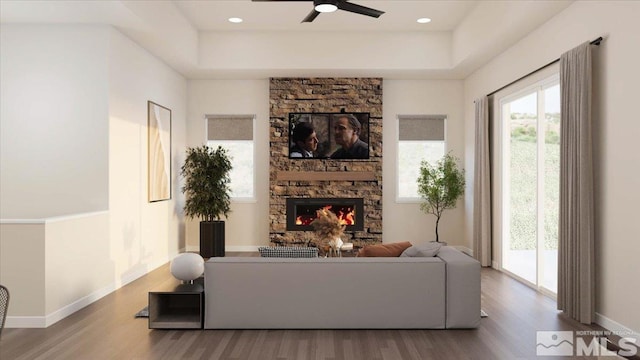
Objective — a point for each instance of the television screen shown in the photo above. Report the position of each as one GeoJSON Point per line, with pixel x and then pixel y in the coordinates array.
{"type": "Point", "coordinates": [328, 135]}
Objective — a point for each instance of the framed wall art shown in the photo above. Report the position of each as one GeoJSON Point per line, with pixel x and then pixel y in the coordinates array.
{"type": "Point", "coordinates": [159, 152]}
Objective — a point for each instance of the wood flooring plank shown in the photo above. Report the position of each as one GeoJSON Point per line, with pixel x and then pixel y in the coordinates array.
{"type": "Point", "coordinates": [347, 350]}
{"type": "Point", "coordinates": [302, 350]}
{"type": "Point", "coordinates": [287, 349]}
{"type": "Point", "coordinates": [221, 346]}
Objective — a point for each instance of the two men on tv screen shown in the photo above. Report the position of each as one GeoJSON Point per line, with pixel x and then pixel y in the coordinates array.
{"type": "Point", "coordinates": [346, 129]}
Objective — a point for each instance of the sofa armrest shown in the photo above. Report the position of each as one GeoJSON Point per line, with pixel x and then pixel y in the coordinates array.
{"type": "Point", "coordinates": [463, 288]}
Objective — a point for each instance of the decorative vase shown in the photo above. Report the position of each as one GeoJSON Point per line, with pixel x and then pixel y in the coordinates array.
{"type": "Point", "coordinates": [336, 243]}
{"type": "Point", "coordinates": [187, 266]}
{"type": "Point", "coordinates": [334, 247]}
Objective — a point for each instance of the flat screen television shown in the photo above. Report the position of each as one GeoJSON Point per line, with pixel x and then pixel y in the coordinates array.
{"type": "Point", "coordinates": [329, 136]}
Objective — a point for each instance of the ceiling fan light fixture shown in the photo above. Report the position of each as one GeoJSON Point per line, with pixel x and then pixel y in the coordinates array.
{"type": "Point", "coordinates": [325, 5]}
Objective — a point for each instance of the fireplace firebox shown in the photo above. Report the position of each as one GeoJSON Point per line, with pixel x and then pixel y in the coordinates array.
{"type": "Point", "coordinates": [302, 211]}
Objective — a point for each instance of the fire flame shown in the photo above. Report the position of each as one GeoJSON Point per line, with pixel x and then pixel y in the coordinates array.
{"type": "Point", "coordinates": [345, 217]}
{"type": "Point", "coordinates": [348, 218]}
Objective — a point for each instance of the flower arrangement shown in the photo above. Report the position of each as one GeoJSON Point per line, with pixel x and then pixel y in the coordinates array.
{"type": "Point", "coordinates": [328, 227]}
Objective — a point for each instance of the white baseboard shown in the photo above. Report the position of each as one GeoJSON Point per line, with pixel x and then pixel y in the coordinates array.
{"type": "Point", "coordinates": [62, 313]}
{"type": "Point", "coordinates": [135, 275]}
{"type": "Point", "coordinates": [54, 317]}
{"type": "Point", "coordinates": [617, 328]}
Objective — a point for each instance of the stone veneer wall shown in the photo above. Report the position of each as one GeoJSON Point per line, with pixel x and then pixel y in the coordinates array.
{"type": "Point", "coordinates": [324, 95]}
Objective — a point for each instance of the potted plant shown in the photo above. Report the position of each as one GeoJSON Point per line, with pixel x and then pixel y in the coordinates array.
{"type": "Point", "coordinates": [206, 174]}
{"type": "Point", "coordinates": [440, 186]}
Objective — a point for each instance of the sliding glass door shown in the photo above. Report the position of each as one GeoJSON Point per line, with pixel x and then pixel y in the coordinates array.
{"type": "Point", "coordinates": [530, 183]}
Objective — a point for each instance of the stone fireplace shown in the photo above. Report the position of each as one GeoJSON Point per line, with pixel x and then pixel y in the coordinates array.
{"type": "Point", "coordinates": [315, 181]}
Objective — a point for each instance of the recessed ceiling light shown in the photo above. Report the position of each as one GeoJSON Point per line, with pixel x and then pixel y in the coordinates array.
{"type": "Point", "coordinates": [424, 20]}
{"type": "Point", "coordinates": [235, 20]}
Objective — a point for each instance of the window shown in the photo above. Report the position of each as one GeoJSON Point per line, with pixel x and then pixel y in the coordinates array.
{"type": "Point", "coordinates": [235, 134]}
{"type": "Point", "coordinates": [530, 142]}
{"type": "Point", "coordinates": [420, 137]}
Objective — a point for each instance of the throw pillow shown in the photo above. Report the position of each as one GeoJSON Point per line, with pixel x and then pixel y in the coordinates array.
{"type": "Point", "coordinates": [422, 250]}
{"type": "Point", "coordinates": [384, 250]}
{"type": "Point", "coordinates": [288, 252]}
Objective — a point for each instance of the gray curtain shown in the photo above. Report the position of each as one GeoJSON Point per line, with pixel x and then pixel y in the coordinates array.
{"type": "Point", "coordinates": [482, 186]}
{"type": "Point", "coordinates": [576, 259]}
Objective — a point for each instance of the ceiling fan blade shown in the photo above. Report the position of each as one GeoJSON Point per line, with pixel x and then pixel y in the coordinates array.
{"type": "Point", "coordinates": [359, 9]}
{"type": "Point", "coordinates": [312, 16]}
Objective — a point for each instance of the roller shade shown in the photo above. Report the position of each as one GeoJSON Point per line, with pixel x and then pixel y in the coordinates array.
{"type": "Point", "coordinates": [421, 127]}
{"type": "Point", "coordinates": [229, 127]}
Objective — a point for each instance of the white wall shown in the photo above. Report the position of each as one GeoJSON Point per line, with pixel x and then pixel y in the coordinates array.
{"type": "Point", "coordinates": [53, 100]}
{"type": "Point", "coordinates": [77, 264]}
{"type": "Point", "coordinates": [143, 235]}
{"type": "Point", "coordinates": [493, 26]}
{"type": "Point", "coordinates": [86, 256]}
{"type": "Point", "coordinates": [318, 51]}
{"type": "Point", "coordinates": [248, 224]}
{"type": "Point", "coordinates": [405, 221]}
{"type": "Point", "coordinates": [616, 128]}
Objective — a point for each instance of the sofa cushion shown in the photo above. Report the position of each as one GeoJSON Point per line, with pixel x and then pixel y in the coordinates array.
{"type": "Point", "coordinates": [288, 252]}
{"type": "Point", "coordinates": [422, 250]}
{"type": "Point", "coordinates": [384, 250]}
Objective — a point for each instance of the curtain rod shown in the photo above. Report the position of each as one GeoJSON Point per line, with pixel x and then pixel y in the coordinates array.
{"type": "Point", "coordinates": [594, 42]}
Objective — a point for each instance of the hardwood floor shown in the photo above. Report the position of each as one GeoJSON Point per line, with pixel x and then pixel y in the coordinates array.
{"type": "Point", "coordinates": [107, 329]}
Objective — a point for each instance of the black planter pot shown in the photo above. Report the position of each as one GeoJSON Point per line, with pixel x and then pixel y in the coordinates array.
{"type": "Point", "coordinates": [212, 239]}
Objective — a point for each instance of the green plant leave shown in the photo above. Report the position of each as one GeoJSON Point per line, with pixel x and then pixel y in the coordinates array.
{"type": "Point", "coordinates": [440, 186]}
{"type": "Point", "coordinates": [206, 174]}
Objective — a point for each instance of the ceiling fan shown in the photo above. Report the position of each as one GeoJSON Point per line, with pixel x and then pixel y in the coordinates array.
{"type": "Point", "coordinates": [333, 5]}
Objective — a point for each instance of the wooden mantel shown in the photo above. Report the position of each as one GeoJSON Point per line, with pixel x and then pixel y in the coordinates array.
{"type": "Point", "coordinates": [325, 176]}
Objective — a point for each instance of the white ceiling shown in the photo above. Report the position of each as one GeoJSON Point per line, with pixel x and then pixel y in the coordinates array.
{"type": "Point", "coordinates": [192, 36]}
{"type": "Point", "coordinates": [400, 15]}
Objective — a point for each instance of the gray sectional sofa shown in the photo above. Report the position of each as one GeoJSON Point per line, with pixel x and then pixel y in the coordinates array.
{"type": "Point", "coordinates": [343, 293]}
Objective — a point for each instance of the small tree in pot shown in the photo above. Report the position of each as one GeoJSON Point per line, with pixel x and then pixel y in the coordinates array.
{"type": "Point", "coordinates": [206, 174]}
{"type": "Point", "coordinates": [440, 186]}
